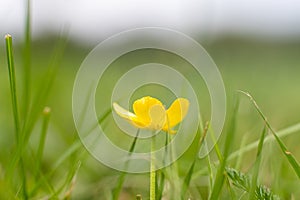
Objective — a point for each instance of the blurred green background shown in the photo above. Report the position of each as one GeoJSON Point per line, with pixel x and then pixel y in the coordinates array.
{"type": "Point", "coordinates": [266, 67]}
{"type": "Point", "coordinates": [268, 70]}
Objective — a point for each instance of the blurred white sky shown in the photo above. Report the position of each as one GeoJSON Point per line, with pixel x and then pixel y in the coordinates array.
{"type": "Point", "coordinates": [93, 20]}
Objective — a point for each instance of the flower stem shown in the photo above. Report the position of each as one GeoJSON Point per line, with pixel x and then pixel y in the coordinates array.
{"type": "Point", "coordinates": [152, 172]}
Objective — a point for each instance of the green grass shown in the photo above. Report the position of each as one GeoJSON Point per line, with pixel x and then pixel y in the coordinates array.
{"type": "Point", "coordinates": [256, 157]}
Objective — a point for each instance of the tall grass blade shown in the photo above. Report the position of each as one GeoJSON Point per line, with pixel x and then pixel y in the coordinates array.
{"type": "Point", "coordinates": [12, 81]}
{"type": "Point", "coordinates": [241, 153]}
{"type": "Point", "coordinates": [27, 60]}
{"type": "Point", "coordinates": [288, 155]}
{"type": "Point", "coordinates": [160, 183]}
{"type": "Point", "coordinates": [210, 171]}
{"type": "Point", "coordinates": [13, 90]}
{"type": "Point", "coordinates": [44, 91]}
{"type": "Point", "coordinates": [24, 180]}
{"type": "Point", "coordinates": [38, 105]}
{"type": "Point", "coordinates": [257, 164]}
{"type": "Point", "coordinates": [116, 191]}
{"type": "Point", "coordinates": [46, 115]}
{"type": "Point", "coordinates": [216, 147]}
{"type": "Point", "coordinates": [70, 151]}
{"type": "Point", "coordinates": [220, 176]}
{"type": "Point", "coordinates": [281, 133]}
{"type": "Point", "coordinates": [188, 177]}
{"type": "Point", "coordinates": [187, 180]}
{"type": "Point", "coordinates": [293, 162]}
{"type": "Point", "coordinates": [69, 181]}
{"type": "Point", "coordinates": [249, 147]}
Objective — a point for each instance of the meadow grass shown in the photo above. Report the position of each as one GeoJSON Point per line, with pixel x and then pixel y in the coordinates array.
{"type": "Point", "coordinates": [46, 160]}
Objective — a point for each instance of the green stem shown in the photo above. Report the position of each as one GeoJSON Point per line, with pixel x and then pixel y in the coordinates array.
{"type": "Point", "coordinates": [152, 171]}
{"type": "Point", "coordinates": [161, 186]}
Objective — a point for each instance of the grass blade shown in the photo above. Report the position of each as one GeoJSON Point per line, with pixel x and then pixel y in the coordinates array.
{"type": "Point", "coordinates": [70, 151]}
{"type": "Point", "coordinates": [13, 90]}
{"type": "Point", "coordinates": [44, 91]}
{"type": "Point", "coordinates": [46, 114]}
{"type": "Point", "coordinates": [288, 155]}
{"type": "Point", "coordinates": [161, 185]}
{"type": "Point", "coordinates": [116, 191]}
{"type": "Point", "coordinates": [293, 162]}
{"type": "Point", "coordinates": [27, 60]}
{"type": "Point", "coordinates": [12, 81]}
{"type": "Point", "coordinates": [240, 153]}
{"type": "Point", "coordinates": [216, 147]}
{"type": "Point", "coordinates": [71, 180]}
{"type": "Point", "coordinates": [38, 105]}
{"type": "Point", "coordinates": [257, 164]}
{"type": "Point", "coordinates": [187, 179]}
{"type": "Point", "coordinates": [219, 180]}
{"type": "Point", "coordinates": [210, 172]}
{"type": "Point", "coordinates": [282, 133]}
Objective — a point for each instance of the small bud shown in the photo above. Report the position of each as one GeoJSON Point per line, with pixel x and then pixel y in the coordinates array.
{"type": "Point", "coordinates": [46, 110]}
{"type": "Point", "coordinates": [288, 153]}
{"type": "Point", "coordinates": [138, 197]}
{"type": "Point", "coordinates": [7, 36]}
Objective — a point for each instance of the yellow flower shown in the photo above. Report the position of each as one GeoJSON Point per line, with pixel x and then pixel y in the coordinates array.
{"type": "Point", "coordinates": [149, 113]}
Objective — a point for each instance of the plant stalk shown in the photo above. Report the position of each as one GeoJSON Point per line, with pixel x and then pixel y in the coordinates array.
{"type": "Point", "coordinates": [152, 171]}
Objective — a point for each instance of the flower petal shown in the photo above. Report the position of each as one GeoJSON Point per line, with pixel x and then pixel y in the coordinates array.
{"type": "Point", "coordinates": [122, 112]}
{"type": "Point", "coordinates": [141, 108]}
{"type": "Point", "coordinates": [176, 112]}
{"type": "Point", "coordinates": [158, 117]}
{"type": "Point", "coordinates": [128, 115]}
